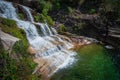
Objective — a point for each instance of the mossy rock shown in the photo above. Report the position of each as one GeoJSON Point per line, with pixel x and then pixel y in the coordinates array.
{"type": "Point", "coordinates": [9, 26]}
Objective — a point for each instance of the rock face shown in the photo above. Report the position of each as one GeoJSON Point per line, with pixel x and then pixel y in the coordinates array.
{"type": "Point", "coordinates": [8, 41]}
{"type": "Point", "coordinates": [104, 28]}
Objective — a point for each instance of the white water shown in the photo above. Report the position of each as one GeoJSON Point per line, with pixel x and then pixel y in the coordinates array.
{"type": "Point", "coordinates": [49, 46]}
{"type": "Point", "coordinates": [28, 13]}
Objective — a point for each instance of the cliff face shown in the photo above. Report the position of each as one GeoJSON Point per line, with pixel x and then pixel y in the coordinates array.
{"type": "Point", "coordinates": [102, 27]}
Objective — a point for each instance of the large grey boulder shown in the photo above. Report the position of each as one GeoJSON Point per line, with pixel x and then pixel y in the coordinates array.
{"type": "Point", "coordinates": [7, 41]}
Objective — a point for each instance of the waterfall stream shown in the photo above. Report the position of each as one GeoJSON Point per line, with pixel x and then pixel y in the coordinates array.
{"type": "Point", "coordinates": [49, 46]}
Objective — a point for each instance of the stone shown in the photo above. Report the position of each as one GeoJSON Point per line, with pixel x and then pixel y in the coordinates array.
{"type": "Point", "coordinates": [8, 41]}
{"type": "Point", "coordinates": [31, 50]}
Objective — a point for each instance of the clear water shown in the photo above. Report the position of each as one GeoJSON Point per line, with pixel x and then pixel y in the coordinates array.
{"type": "Point", "coordinates": [93, 64]}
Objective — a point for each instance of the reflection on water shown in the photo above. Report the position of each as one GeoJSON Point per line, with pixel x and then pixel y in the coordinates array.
{"type": "Point", "coordinates": [93, 64]}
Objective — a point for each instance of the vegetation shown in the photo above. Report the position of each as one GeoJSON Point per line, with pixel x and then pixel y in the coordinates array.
{"type": "Point", "coordinates": [17, 68]}
{"type": "Point", "coordinates": [9, 26]}
{"type": "Point", "coordinates": [20, 66]}
{"type": "Point", "coordinates": [21, 16]}
{"type": "Point", "coordinates": [62, 28]}
{"type": "Point", "coordinates": [44, 18]}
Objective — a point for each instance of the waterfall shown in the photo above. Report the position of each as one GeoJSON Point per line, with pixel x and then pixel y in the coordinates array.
{"type": "Point", "coordinates": [45, 29]}
{"type": "Point", "coordinates": [54, 31]}
{"type": "Point", "coordinates": [6, 11]}
{"type": "Point", "coordinates": [28, 13]}
{"type": "Point", "coordinates": [50, 46]}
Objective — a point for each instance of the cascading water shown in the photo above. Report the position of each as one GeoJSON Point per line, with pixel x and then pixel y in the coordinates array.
{"type": "Point", "coordinates": [28, 13]}
{"type": "Point", "coordinates": [49, 46]}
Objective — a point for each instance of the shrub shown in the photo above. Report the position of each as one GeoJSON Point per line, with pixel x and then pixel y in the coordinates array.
{"type": "Point", "coordinates": [47, 7]}
{"type": "Point", "coordinates": [37, 18]}
{"type": "Point", "coordinates": [44, 6]}
{"type": "Point", "coordinates": [62, 28]}
{"type": "Point", "coordinates": [70, 10]}
{"type": "Point", "coordinates": [92, 11]}
{"type": "Point", "coordinates": [9, 68]}
{"type": "Point", "coordinates": [47, 18]}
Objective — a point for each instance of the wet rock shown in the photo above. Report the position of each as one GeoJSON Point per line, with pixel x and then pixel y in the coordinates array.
{"type": "Point", "coordinates": [31, 50]}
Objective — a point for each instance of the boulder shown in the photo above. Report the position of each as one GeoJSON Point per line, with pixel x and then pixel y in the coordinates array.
{"type": "Point", "coordinates": [7, 41]}
{"type": "Point", "coordinates": [31, 50]}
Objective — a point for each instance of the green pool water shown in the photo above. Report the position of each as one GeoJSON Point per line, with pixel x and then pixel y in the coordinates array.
{"type": "Point", "coordinates": [93, 64]}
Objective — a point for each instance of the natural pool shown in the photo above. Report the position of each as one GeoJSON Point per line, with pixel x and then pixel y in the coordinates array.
{"type": "Point", "coordinates": [93, 64]}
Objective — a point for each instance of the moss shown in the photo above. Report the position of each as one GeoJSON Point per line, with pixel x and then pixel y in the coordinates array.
{"type": "Point", "coordinates": [9, 26]}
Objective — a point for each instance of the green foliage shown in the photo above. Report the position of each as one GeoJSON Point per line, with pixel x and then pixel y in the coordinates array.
{"type": "Point", "coordinates": [9, 26]}
{"type": "Point", "coordinates": [70, 10]}
{"type": "Point", "coordinates": [44, 6]}
{"type": "Point", "coordinates": [57, 6]}
{"type": "Point", "coordinates": [92, 11]}
{"type": "Point", "coordinates": [22, 66]}
{"type": "Point", "coordinates": [21, 16]}
{"type": "Point", "coordinates": [47, 18]}
{"type": "Point", "coordinates": [8, 69]}
{"type": "Point", "coordinates": [62, 28]}
{"type": "Point", "coordinates": [36, 17]}
{"type": "Point", "coordinates": [47, 7]}
{"type": "Point", "coordinates": [19, 69]}
{"type": "Point", "coordinates": [8, 22]}
{"type": "Point", "coordinates": [42, 18]}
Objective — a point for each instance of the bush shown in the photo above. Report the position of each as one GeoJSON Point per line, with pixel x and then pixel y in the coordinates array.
{"type": "Point", "coordinates": [36, 18]}
{"type": "Point", "coordinates": [70, 10]}
{"type": "Point", "coordinates": [92, 11]}
{"type": "Point", "coordinates": [47, 18]}
{"type": "Point", "coordinates": [9, 68]}
{"type": "Point", "coordinates": [44, 6]}
{"type": "Point", "coordinates": [62, 28]}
